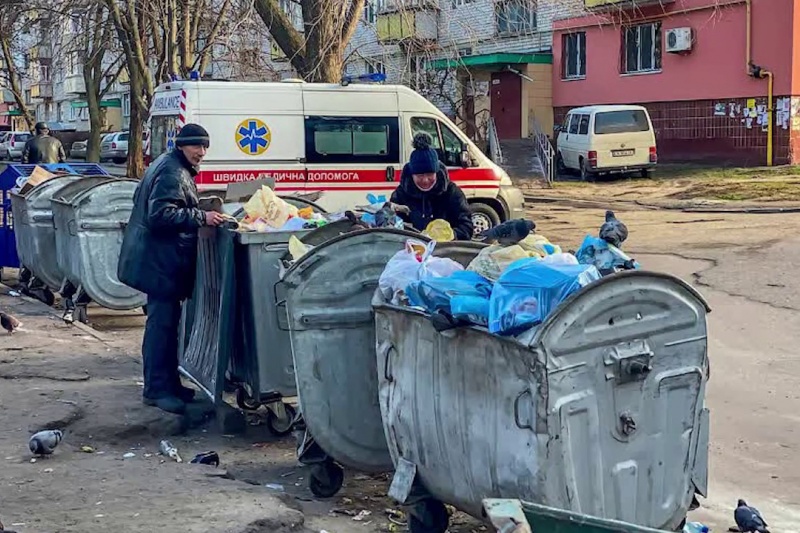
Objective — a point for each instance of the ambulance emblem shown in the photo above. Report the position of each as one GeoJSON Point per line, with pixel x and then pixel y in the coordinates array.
{"type": "Point", "coordinates": [253, 137]}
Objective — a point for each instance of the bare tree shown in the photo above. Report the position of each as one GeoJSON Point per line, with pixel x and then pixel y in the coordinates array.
{"type": "Point", "coordinates": [13, 24]}
{"type": "Point", "coordinates": [316, 52]}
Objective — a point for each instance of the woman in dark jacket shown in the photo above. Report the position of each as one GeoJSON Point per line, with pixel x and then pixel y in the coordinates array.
{"type": "Point", "coordinates": [426, 189]}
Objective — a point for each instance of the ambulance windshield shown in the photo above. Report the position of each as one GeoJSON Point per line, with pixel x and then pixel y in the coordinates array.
{"type": "Point", "coordinates": [162, 134]}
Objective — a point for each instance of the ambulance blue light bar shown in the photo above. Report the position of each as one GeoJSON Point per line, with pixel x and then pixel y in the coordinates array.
{"type": "Point", "coordinates": [375, 77]}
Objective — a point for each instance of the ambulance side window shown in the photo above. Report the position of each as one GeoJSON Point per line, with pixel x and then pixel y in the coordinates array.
{"type": "Point", "coordinates": [450, 150]}
{"type": "Point", "coordinates": [352, 140]}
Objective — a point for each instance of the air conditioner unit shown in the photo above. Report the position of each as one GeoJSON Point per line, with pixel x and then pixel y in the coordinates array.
{"type": "Point", "coordinates": [679, 40]}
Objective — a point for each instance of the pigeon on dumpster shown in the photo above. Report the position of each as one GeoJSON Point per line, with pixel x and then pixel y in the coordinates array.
{"type": "Point", "coordinates": [9, 323]}
{"type": "Point", "coordinates": [510, 232]}
{"type": "Point", "coordinates": [45, 442]}
{"type": "Point", "coordinates": [613, 231]}
{"type": "Point", "coordinates": [356, 221]}
{"type": "Point", "coordinates": [748, 519]}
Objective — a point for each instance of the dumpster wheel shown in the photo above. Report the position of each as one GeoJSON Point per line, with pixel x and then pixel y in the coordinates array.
{"type": "Point", "coordinates": [245, 401]}
{"type": "Point", "coordinates": [281, 426]}
{"type": "Point", "coordinates": [428, 516]}
{"type": "Point", "coordinates": [44, 295]}
{"type": "Point", "coordinates": [326, 479]}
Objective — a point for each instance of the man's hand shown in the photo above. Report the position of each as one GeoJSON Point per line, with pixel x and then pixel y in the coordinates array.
{"type": "Point", "coordinates": [214, 219]}
{"type": "Point", "coordinates": [401, 209]}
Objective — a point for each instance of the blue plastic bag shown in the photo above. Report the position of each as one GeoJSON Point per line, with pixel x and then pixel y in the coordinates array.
{"type": "Point", "coordinates": [530, 289]}
{"type": "Point", "coordinates": [606, 257]}
{"type": "Point", "coordinates": [463, 295]}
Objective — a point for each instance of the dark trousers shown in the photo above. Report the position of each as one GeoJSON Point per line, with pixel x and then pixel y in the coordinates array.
{"type": "Point", "coordinates": [160, 348]}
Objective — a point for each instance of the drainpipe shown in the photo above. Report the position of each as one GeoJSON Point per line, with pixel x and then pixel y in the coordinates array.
{"type": "Point", "coordinates": [760, 72]}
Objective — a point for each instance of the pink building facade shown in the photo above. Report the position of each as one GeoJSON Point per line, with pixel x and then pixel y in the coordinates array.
{"type": "Point", "coordinates": [687, 62]}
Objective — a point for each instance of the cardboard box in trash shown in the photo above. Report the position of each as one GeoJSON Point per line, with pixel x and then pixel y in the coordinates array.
{"type": "Point", "coordinates": [38, 176]}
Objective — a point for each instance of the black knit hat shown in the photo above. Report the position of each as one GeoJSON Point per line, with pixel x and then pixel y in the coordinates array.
{"type": "Point", "coordinates": [192, 135]}
{"type": "Point", "coordinates": [424, 159]}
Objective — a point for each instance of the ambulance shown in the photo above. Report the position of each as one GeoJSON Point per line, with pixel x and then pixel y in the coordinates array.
{"type": "Point", "coordinates": [345, 142]}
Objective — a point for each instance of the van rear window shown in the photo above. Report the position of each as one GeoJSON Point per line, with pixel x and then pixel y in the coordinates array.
{"type": "Point", "coordinates": [628, 121]}
{"type": "Point", "coordinates": [22, 137]}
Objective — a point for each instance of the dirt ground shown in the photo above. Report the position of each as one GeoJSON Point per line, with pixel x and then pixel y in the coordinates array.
{"type": "Point", "coordinates": [88, 382]}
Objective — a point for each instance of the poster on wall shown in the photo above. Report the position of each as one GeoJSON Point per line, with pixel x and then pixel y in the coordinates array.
{"type": "Point", "coordinates": [719, 110]}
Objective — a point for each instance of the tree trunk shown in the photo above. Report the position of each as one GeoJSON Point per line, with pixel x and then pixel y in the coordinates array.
{"type": "Point", "coordinates": [139, 114]}
{"type": "Point", "coordinates": [95, 116]}
{"type": "Point", "coordinates": [14, 80]}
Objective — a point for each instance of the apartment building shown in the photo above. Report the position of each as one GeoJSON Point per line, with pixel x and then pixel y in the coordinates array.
{"type": "Point", "coordinates": [719, 77]}
{"type": "Point", "coordinates": [476, 59]}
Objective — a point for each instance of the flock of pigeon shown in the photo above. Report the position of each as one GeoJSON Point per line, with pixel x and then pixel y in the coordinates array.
{"type": "Point", "coordinates": [748, 519]}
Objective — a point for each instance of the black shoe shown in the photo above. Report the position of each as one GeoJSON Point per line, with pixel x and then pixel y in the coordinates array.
{"type": "Point", "coordinates": [186, 394]}
{"type": "Point", "coordinates": [170, 404]}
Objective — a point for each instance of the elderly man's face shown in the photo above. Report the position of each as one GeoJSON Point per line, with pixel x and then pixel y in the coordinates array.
{"type": "Point", "coordinates": [194, 154]}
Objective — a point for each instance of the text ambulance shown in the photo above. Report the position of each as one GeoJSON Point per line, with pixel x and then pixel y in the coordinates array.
{"type": "Point", "coordinates": [347, 142]}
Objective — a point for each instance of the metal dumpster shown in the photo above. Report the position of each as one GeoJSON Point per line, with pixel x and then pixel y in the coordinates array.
{"type": "Point", "coordinates": [232, 332]}
{"type": "Point", "coordinates": [328, 294]}
{"type": "Point", "coordinates": [601, 412]}
{"type": "Point", "coordinates": [90, 217]}
{"type": "Point", "coordinates": [36, 239]}
{"type": "Point", "coordinates": [13, 177]}
{"type": "Point", "coordinates": [514, 516]}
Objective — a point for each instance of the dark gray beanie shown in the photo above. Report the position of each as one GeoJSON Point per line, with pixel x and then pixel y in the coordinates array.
{"type": "Point", "coordinates": [193, 135]}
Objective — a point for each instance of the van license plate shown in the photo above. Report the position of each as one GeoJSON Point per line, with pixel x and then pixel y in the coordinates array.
{"type": "Point", "coordinates": [622, 153]}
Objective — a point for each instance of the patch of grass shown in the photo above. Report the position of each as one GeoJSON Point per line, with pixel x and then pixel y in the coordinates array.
{"type": "Point", "coordinates": [742, 190]}
{"type": "Point", "coordinates": [669, 171]}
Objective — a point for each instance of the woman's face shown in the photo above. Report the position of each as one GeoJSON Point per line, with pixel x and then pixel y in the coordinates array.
{"type": "Point", "coordinates": [425, 182]}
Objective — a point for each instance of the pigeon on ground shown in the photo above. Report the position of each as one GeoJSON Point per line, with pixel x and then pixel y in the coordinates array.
{"type": "Point", "coordinates": [510, 232]}
{"type": "Point", "coordinates": [749, 519]}
{"type": "Point", "coordinates": [9, 323]}
{"type": "Point", "coordinates": [613, 231]}
{"type": "Point", "coordinates": [45, 442]}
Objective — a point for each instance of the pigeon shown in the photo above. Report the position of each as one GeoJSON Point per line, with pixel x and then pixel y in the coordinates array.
{"type": "Point", "coordinates": [510, 232]}
{"type": "Point", "coordinates": [748, 519]}
{"type": "Point", "coordinates": [45, 442]}
{"type": "Point", "coordinates": [9, 323]}
{"type": "Point", "coordinates": [356, 221]}
{"type": "Point", "coordinates": [613, 231]}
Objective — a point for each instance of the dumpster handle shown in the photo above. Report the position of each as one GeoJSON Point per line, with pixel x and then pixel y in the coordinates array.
{"type": "Point", "coordinates": [386, 348]}
{"type": "Point", "coordinates": [280, 304]}
{"type": "Point", "coordinates": [516, 410]}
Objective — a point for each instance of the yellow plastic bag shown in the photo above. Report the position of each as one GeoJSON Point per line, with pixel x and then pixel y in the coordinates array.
{"type": "Point", "coordinates": [539, 246]}
{"type": "Point", "coordinates": [440, 231]}
{"type": "Point", "coordinates": [297, 248]}
{"type": "Point", "coordinates": [492, 261]}
{"type": "Point", "coordinates": [266, 205]}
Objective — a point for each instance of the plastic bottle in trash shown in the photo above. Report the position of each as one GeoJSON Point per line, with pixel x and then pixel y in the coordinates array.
{"type": "Point", "coordinates": [168, 450]}
{"type": "Point", "coordinates": [695, 527]}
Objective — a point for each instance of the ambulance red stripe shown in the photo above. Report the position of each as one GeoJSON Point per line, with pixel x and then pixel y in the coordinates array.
{"type": "Point", "coordinates": [318, 178]}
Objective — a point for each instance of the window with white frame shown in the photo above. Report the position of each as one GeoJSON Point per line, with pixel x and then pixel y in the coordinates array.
{"type": "Point", "coordinates": [641, 48]}
{"type": "Point", "coordinates": [293, 11]}
{"type": "Point", "coordinates": [460, 3]}
{"type": "Point", "coordinates": [515, 16]}
{"type": "Point", "coordinates": [126, 105]}
{"type": "Point", "coordinates": [573, 55]}
{"type": "Point", "coordinates": [375, 67]}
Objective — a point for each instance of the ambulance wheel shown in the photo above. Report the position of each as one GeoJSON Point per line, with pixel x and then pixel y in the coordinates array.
{"type": "Point", "coordinates": [281, 426]}
{"type": "Point", "coordinates": [428, 516]}
{"type": "Point", "coordinates": [483, 217]}
{"type": "Point", "coordinates": [326, 479]}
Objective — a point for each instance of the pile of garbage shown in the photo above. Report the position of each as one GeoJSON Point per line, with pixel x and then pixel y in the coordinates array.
{"type": "Point", "coordinates": [511, 286]}
{"type": "Point", "coordinates": [267, 212]}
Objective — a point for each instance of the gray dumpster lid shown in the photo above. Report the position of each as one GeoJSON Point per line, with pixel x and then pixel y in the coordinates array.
{"type": "Point", "coordinates": [69, 191]}
{"type": "Point", "coordinates": [39, 197]}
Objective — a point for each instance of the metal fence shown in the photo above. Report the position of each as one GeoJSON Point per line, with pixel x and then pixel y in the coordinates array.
{"type": "Point", "coordinates": [495, 151]}
{"type": "Point", "coordinates": [545, 153]}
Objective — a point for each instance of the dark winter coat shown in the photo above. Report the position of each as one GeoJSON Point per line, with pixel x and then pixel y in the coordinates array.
{"type": "Point", "coordinates": [445, 201]}
{"type": "Point", "coordinates": [159, 250]}
{"type": "Point", "coordinates": [43, 149]}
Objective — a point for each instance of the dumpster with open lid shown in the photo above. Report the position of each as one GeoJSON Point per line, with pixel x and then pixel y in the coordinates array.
{"type": "Point", "coordinates": [90, 216]}
{"type": "Point", "coordinates": [601, 411]}
{"type": "Point", "coordinates": [328, 296]}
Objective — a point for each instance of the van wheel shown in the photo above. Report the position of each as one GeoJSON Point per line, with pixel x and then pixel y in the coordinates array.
{"type": "Point", "coordinates": [646, 173]}
{"type": "Point", "coordinates": [586, 174]}
{"type": "Point", "coordinates": [561, 168]}
{"type": "Point", "coordinates": [484, 218]}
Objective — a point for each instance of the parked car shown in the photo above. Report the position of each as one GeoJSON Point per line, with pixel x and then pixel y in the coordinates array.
{"type": "Point", "coordinates": [79, 149]}
{"type": "Point", "coordinates": [605, 139]}
{"type": "Point", "coordinates": [12, 143]}
{"type": "Point", "coordinates": [115, 147]}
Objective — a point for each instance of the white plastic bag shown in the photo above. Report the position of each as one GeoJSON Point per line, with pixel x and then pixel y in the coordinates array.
{"type": "Point", "coordinates": [413, 263]}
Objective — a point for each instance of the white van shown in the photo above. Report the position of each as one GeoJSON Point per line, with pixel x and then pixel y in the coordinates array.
{"type": "Point", "coordinates": [603, 139]}
{"type": "Point", "coordinates": [347, 142]}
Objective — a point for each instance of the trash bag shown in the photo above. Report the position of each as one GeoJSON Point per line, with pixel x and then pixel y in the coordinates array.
{"type": "Point", "coordinates": [492, 261]}
{"type": "Point", "coordinates": [606, 257]}
{"type": "Point", "coordinates": [440, 230]}
{"type": "Point", "coordinates": [462, 295]}
{"type": "Point", "coordinates": [530, 289]}
{"type": "Point", "coordinates": [538, 245]}
{"type": "Point", "coordinates": [266, 206]}
{"type": "Point", "coordinates": [413, 263]}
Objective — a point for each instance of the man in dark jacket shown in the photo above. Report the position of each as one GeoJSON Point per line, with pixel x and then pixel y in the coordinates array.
{"type": "Point", "coordinates": [43, 148]}
{"type": "Point", "coordinates": [426, 189]}
{"type": "Point", "coordinates": [158, 257]}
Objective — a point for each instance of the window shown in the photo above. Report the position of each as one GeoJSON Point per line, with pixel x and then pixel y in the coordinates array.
{"type": "Point", "coordinates": [22, 137]}
{"type": "Point", "coordinates": [515, 16]}
{"type": "Point", "coordinates": [459, 3]}
{"type": "Point", "coordinates": [376, 68]}
{"type": "Point", "coordinates": [641, 48]}
{"type": "Point", "coordinates": [370, 14]}
{"type": "Point", "coordinates": [573, 55]}
{"type": "Point", "coordinates": [123, 137]}
{"type": "Point", "coordinates": [573, 125]}
{"type": "Point", "coordinates": [352, 140]}
{"type": "Point", "coordinates": [450, 150]}
{"type": "Point", "coordinates": [161, 133]}
{"type": "Point", "coordinates": [628, 121]}
{"type": "Point", "coordinates": [583, 125]}
{"type": "Point", "coordinates": [126, 105]}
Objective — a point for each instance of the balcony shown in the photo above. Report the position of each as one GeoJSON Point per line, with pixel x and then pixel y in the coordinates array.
{"type": "Point", "coordinates": [42, 89]}
{"type": "Point", "coordinates": [40, 52]}
{"type": "Point", "coordinates": [622, 5]}
{"type": "Point", "coordinates": [74, 85]}
{"type": "Point", "coordinates": [415, 22]}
